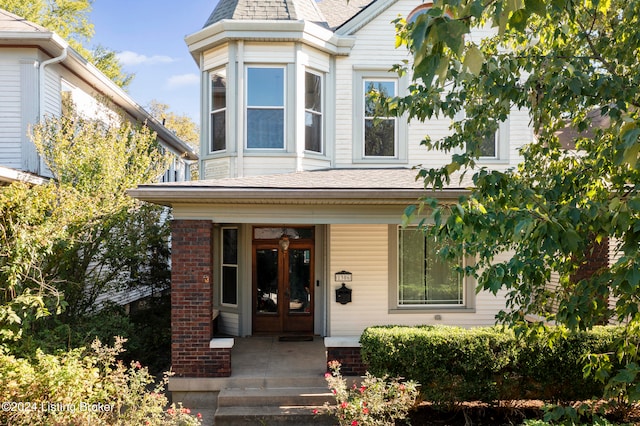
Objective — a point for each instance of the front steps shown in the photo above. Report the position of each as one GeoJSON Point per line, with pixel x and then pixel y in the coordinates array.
{"type": "Point", "coordinates": [274, 406]}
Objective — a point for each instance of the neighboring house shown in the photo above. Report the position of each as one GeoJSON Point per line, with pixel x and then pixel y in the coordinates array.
{"type": "Point", "coordinates": [303, 192]}
{"type": "Point", "coordinates": [38, 70]}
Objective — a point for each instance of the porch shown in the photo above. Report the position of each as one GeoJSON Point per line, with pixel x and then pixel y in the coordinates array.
{"type": "Point", "coordinates": [271, 382]}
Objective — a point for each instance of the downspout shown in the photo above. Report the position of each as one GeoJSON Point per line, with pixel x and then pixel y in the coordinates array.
{"type": "Point", "coordinates": [42, 80]}
{"type": "Point", "coordinates": [41, 95]}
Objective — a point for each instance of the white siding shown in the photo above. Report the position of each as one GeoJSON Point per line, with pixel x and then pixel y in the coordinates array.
{"type": "Point", "coordinates": [215, 58]}
{"type": "Point", "coordinates": [363, 251]}
{"type": "Point", "coordinates": [10, 107]}
{"type": "Point", "coordinates": [229, 323]}
{"type": "Point", "coordinates": [375, 50]}
{"type": "Point", "coordinates": [269, 53]}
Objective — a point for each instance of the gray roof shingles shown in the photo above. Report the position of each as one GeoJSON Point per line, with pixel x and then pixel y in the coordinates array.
{"type": "Point", "coordinates": [331, 13]}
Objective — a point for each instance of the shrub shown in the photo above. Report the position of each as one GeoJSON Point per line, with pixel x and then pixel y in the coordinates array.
{"type": "Point", "coordinates": [83, 387]}
{"type": "Point", "coordinates": [486, 364]}
{"type": "Point", "coordinates": [377, 401]}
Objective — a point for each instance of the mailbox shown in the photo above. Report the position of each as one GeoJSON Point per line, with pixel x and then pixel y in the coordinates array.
{"type": "Point", "coordinates": [343, 294]}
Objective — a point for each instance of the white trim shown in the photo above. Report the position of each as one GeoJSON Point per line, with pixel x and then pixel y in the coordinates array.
{"type": "Point", "coordinates": [342, 342]}
{"type": "Point", "coordinates": [222, 343]}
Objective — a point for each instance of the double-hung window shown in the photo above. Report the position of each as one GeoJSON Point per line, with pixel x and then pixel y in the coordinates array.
{"type": "Point", "coordinates": [313, 112]}
{"type": "Point", "coordinates": [218, 111]}
{"type": "Point", "coordinates": [265, 107]}
{"type": "Point", "coordinates": [229, 274]}
{"type": "Point", "coordinates": [424, 277]}
{"type": "Point", "coordinates": [380, 131]}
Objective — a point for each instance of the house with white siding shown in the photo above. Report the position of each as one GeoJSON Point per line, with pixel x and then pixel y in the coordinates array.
{"type": "Point", "coordinates": [37, 70]}
{"type": "Point", "coordinates": [295, 225]}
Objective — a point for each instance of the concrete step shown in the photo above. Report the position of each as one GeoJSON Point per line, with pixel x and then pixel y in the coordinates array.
{"type": "Point", "coordinates": [273, 406]}
{"type": "Point", "coordinates": [289, 396]}
{"type": "Point", "coordinates": [271, 416]}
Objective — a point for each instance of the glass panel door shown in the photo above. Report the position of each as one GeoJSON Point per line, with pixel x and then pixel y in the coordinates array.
{"type": "Point", "coordinates": [267, 281]}
{"type": "Point", "coordinates": [283, 287]}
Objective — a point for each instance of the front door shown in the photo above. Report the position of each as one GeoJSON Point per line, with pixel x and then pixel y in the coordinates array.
{"type": "Point", "coordinates": [283, 286]}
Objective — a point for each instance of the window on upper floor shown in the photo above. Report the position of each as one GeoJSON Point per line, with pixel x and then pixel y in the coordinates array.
{"type": "Point", "coordinates": [313, 112]}
{"type": "Point", "coordinates": [265, 107]}
{"type": "Point", "coordinates": [380, 132]}
{"type": "Point", "coordinates": [218, 111]}
{"type": "Point", "coordinates": [377, 138]}
{"type": "Point", "coordinates": [489, 146]}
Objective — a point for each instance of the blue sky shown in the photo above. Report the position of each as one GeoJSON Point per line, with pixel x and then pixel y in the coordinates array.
{"type": "Point", "coordinates": [149, 38]}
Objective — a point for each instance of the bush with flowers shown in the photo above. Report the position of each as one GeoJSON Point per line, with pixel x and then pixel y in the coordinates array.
{"type": "Point", "coordinates": [376, 401]}
{"type": "Point", "coordinates": [84, 388]}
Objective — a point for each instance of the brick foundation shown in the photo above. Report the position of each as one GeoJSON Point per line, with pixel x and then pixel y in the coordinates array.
{"type": "Point", "coordinates": [192, 303]}
{"type": "Point", "coordinates": [350, 360]}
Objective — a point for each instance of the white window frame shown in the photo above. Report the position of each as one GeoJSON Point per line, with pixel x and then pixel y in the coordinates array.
{"type": "Point", "coordinates": [468, 284]}
{"type": "Point", "coordinates": [317, 113]}
{"type": "Point", "coordinates": [247, 107]}
{"type": "Point", "coordinates": [229, 265]}
{"type": "Point", "coordinates": [218, 71]}
{"type": "Point", "coordinates": [401, 125]}
{"type": "Point", "coordinates": [369, 118]}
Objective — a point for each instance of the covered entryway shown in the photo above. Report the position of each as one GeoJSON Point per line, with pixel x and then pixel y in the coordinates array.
{"type": "Point", "coordinates": [282, 280]}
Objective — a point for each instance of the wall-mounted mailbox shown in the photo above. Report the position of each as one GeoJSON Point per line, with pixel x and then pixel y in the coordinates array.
{"type": "Point", "coordinates": [343, 295]}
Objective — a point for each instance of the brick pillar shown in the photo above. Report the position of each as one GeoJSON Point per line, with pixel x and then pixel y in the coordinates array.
{"type": "Point", "coordinates": [192, 302]}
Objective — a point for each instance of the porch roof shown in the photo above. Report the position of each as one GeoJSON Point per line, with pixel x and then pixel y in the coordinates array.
{"type": "Point", "coordinates": [327, 186]}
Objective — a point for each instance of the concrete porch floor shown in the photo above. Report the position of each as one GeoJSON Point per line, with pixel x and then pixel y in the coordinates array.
{"type": "Point", "coordinates": [257, 362]}
{"type": "Point", "coordinates": [266, 357]}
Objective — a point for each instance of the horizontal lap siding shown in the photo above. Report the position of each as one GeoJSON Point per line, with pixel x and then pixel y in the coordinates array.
{"type": "Point", "coordinates": [363, 251]}
{"type": "Point", "coordinates": [10, 107]}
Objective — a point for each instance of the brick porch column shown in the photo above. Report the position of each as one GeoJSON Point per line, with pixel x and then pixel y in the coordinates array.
{"type": "Point", "coordinates": [192, 302]}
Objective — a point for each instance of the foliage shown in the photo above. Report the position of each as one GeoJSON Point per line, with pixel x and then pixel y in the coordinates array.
{"type": "Point", "coordinates": [79, 234]}
{"type": "Point", "coordinates": [84, 387]}
{"type": "Point", "coordinates": [110, 239]}
{"type": "Point", "coordinates": [146, 328]}
{"type": "Point", "coordinates": [564, 63]}
{"type": "Point", "coordinates": [377, 401]}
{"type": "Point", "coordinates": [70, 20]}
{"type": "Point", "coordinates": [180, 124]}
{"type": "Point", "coordinates": [486, 364]}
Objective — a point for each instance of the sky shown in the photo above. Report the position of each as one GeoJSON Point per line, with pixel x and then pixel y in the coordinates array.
{"type": "Point", "coordinates": [148, 36]}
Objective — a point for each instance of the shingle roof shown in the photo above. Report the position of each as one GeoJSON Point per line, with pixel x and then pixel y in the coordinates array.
{"type": "Point", "coordinates": [348, 179]}
{"type": "Point", "coordinates": [337, 12]}
{"type": "Point", "coordinates": [331, 13]}
{"type": "Point", "coordinates": [295, 10]}
{"type": "Point", "coordinates": [11, 22]}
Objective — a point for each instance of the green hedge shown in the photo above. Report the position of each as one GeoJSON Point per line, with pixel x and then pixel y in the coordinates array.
{"type": "Point", "coordinates": [485, 364]}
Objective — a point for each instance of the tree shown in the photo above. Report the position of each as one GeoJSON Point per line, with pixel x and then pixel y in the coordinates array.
{"type": "Point", "coordinates": [567, 63]}
{"type": "Point", "coordinates": [111, 240]}
{"type": "Point", "coordinates": [181, 125]}
{"type": "Point", "coordinates": [80, 235]}
{"type": "Point", "coordinates": [70, 20]}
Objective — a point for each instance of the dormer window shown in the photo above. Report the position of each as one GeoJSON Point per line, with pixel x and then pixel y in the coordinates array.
{"type": "Point", "coordinates": [218, 110]}
{"type": "Point", "coordinates": [265, 108]}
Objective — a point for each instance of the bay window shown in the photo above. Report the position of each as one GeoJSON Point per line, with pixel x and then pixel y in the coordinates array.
{"type": "Point", "coordinates": [265, 107]}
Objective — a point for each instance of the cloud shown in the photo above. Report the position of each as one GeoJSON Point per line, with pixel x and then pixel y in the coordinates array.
{"type": "Point", "coordinates": [132, 58]}
{"type": "Point", "coordinates": [182, 80]}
